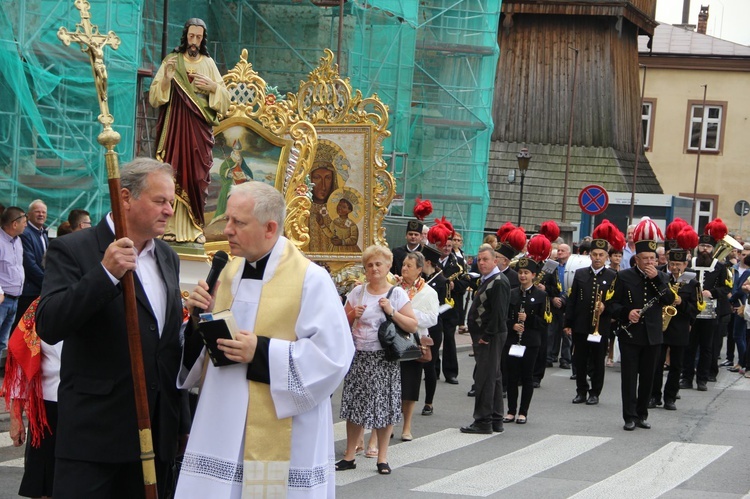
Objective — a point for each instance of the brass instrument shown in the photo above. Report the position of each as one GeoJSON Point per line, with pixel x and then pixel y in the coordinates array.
{"type": "Point", "coordinates": [669, 311]}
{"type": "Point", "coordinates": [448, 299]}
{"type": "Point", "coordinates": [725, 246]}
{"type": "Point", "coordinates": [597, 312]}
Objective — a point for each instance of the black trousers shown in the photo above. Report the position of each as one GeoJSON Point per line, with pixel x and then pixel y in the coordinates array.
{"type": "Point", "coordinates": [701, 343]}
{"type": "Point", "coordinates": [488, 382]}
{"type": "Point", "coordinates": [730, 338]}
{"type": "Point", "coordinates": [558, 343]}
{"type": "Point", "coordinates": [637, 372]}
{"type": "Point", "coordinates": [78, 479]}
{"type": "Point", "coordinates": [430, 374]}
{"type": "Point", "coordinates": [450, 357]}
{"type": "Point", "coordinates": [540, 365]}
{"type": "Point", "coordinates": [585, 354]}
{"type": "Point", "coordinates": [521, 368]}
{"type": "Point", "coordinates": [719, 334]}
{"type": "Point", "coordinates": [672, 385]}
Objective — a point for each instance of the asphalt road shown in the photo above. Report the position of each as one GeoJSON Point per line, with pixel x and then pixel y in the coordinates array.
{"type": "Point", "coordinates": [564, 450]}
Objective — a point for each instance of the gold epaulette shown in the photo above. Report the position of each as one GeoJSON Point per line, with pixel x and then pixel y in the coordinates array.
{"type": "Point", "coordinates": [547, 312]}
{"type": "Point", "coordinates": [611, 290]}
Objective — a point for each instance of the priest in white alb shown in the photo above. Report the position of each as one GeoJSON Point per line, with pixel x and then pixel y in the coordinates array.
{"type": "Point", "coordinates": [263, 426]}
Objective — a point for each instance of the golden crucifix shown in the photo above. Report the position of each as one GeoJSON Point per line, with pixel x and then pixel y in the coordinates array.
{"type": "Point", "coordinates": [92, 42]}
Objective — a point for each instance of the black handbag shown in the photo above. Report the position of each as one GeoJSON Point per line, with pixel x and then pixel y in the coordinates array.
{"type": "Point", "coordinates": [397, 344]}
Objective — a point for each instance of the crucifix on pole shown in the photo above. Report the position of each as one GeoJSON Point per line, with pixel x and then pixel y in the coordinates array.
{"type": "Point", "coordinates": [92, 42]}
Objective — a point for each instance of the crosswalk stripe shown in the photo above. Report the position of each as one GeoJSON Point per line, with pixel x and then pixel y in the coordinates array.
{"type": "Point", "coordinates": [657, 473]}
{"type": "Point", "coordinates": [407, 453]}
{"type": "Point", "coordinates": [13, 463]}
{"type": "Point", "coordinates": [484, 479]}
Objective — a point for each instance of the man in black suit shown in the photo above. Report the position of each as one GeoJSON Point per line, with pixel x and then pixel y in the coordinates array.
{"type": "Point", "coordinates": [586, 300]}
{"type": "Point", "coordinates": [413, 243]}
{"type": "Point", "coordinates": [677, 334]}
{"type": "Point", "coordinates": [35, 242]}
{"type": "Point", "coordinates": [488, 329]}
{"type": "Point", "coordinates": [82, 304]}
{"type": "Point", "coordinates": [641, 343]}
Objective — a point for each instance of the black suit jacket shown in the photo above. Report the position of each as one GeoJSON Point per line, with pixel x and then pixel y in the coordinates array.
{"type": "Point", "coordinates": [512, 276]}
{"type": "Point", "coordinates": [80, 305]}
{"type": "Point", "coordinates": [33, 260]}
{"type": "Point", "coordinates": [579, 310]}
{"type": "Point", "coordinates": [399, 255]}
{"type": "Point", "coordinates": [632, 291]}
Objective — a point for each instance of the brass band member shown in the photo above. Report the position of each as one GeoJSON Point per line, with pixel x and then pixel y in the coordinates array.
{"type": "Point", "coordinates": [586, 318]}
{"type": "Point", "coordinates": [639, 294]}
{"type": "Point", "coordinates": [414, 228]}
{"type": "Point", "coordinates": [715, 288]}
{"type": "Point", "coordinates": [440, 234]}
{"type": "Point", "coordinates": [677, 332]}
{"type": "Point", "coordinates": [526, 327]}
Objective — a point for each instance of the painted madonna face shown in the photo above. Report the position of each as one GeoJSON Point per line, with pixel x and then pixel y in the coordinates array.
{"type": "Point", "coordinates": [323, 180]}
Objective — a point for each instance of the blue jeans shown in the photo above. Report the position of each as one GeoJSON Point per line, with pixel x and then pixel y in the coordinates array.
{"type": "Point", "coordinates": [7, 314]}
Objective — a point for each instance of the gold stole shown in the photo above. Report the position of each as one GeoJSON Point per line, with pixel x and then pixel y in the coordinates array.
{"type": "Point", "coordinates": [268, 440]}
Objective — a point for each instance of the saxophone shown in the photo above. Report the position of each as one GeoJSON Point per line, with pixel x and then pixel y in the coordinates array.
{"type": "Point", "coordinates": [448, 299]}
{"type": "Point", "coordinates": [669, 311]}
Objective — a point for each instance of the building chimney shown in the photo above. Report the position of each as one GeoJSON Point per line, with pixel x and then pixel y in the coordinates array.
{"type": "Point", "coordinates": [703, 19]}
{"type": "Point", "coordinates": [685, 11]}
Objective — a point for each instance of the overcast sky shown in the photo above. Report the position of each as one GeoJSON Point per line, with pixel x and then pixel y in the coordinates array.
{"type": "Point", "coordinates": [727, 19]}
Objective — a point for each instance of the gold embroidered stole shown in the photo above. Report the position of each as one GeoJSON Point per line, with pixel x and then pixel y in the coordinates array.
{"type": "Point", "coordinates": [268, 440]}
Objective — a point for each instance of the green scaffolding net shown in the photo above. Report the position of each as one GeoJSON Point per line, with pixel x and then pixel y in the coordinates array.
{"type": "Point", "coordinates": [432, 62]}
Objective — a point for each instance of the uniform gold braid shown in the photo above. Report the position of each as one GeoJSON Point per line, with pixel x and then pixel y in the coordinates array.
{"type": "Point", "coordinates": [701, 301]}
{"type": "Point", "coordinates": [729, 282]}
{"type": "Point", "coordinates": [611, 290]}
{"type": "Point", "coordinates": [547, 311]}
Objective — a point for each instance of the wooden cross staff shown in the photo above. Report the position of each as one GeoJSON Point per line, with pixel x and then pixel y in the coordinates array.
{"type": "Point", "coordinates": [92, 42]}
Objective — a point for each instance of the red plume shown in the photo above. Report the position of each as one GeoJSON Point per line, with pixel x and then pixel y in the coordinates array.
{"type": "Point", "coordinates": [516, 238]}
{"type": "Point", "coordinates": [675, 228]}
{"type": "Point", "coordinates": [446, 224]}
{"type": "Point", "coordinates": [503, 231]}
{"type": "Point", "coordinates": [687, 239]}
{"type": "Point", "coordinates": [605, 230]}
{"type": "Point", "coordinates": [439, 233]}
{"type": "Point", "coordinates": [716, 228]}
{"type": "Point", "coordinates": [539, 248]}
{"type": "Point", "coordinates": [550, 230]}
{"type": "Point", "coordinates": [422, 209]}
{"type": "Point", "coordinates": [618, 243]}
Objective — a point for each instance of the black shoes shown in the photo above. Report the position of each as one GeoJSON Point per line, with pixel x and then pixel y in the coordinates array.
{"type": "Point", "coordinates": [642, 423]}
{"type": "Point", "coordinates": [572, 376]}
{"type": "Point", "coordinates": [479, 428]}
{"type": "Point", "coordinates": [427, 410]}
{"type": "Point", "coordinates": [629, 426]}
{"type": "Point", "coordinates": [564, 365]}
{"type": "Point", "coordinates": [579, 399]}
{"type": "Point", "coordinates": [346, 465]}
{"type": "Point", "coordinates": [727, 363]}
{"type": "Point", "coordinates": [702, 387]}
{"type": "Point", "coordinates": [593, 400]}
{"type": "Point", "coordinates": [712, 378]}
{"type": "Point", "coordinates": [451, 381]}
{"type": "Point", "coordinates": [669, 405]}
{"type": "Point", "coordinates": [472, 393]}
{"type": "Point", "coordinates": [549, 364]}
{"type": "Point", "coordinates": [686, 384]}
{"type": "Point", "coordinates": [652, 403]}
{"type": "Point", "coordinates": [537, 384]}
{"type": "Point", "coordinates": [497, 427]}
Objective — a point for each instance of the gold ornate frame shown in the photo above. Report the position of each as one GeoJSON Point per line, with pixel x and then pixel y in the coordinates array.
{"type": "Point", "coordinates": [252, 104]}
{"type": "Point", "coordinates": [325, 110]}
{"type": "Point", "coordinates": [336, 110]}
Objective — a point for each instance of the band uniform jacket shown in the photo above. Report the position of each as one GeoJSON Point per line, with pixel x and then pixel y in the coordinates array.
{"type": "Point", "coordinates": [453, 271]}
{"type": "Point", "coordinates": [489, 309]}
{"type": "Point", "coordinates": [534, 303]}
{"type": "Point", "coordinates": [678, 331]}
{"type": "Point", "coordinates": [632, 291]}
{"type": "Point", "coordinates": [399, 255]}
{"type": "Point", "coordinates": [512, 276]}
{"type": "Point", "coordinates": [718, 282]}
{"type": "Point", "coordinates": [440, 285]}
{"type": "Point", "coordinates": [80, 305]}
{"type": "Point", "coordinates": [579, 310]}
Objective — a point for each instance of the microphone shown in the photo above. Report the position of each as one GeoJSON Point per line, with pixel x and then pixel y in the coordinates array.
{"type": "Point", "coordinates": [217, 265]}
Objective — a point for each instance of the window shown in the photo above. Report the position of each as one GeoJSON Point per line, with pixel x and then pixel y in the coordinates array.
{"type": "Point", "coordinates": [706, 127]}
{"type": "Point", "coordinates": [703, 213]}
{"type": "Point", "coordinates": [647, 123]}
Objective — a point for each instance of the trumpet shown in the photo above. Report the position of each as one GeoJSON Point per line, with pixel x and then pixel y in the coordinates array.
{"type": "Point", "coordinates": [597, 312]}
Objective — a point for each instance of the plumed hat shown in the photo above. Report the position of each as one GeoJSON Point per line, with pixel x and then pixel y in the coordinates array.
{"type": "Point", "coordinates": [550, 230]}
{"type": "Point", "coordinates": [646, 235]}
{"type": "Point", "coordinates": [674, 228]}
{"type": "Point", "coordinates": [604, 234]}
{"type": "Point", "coordinates": [422, 208]}
{"type": "Point", "coordinates": [714, 232]}
{"type": "Point", "coordinates": [512, 243]}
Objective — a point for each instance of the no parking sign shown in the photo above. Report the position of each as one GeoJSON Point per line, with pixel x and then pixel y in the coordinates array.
{"type": "Point", "coordinates": [593, 199]}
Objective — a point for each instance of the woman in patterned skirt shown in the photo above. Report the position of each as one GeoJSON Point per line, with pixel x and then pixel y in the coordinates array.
{"type": "Point", "coordinates": [372, 389]}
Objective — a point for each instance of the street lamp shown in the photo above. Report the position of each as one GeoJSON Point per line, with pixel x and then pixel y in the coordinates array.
{"type": "Point", "coordinates": [524, 158]}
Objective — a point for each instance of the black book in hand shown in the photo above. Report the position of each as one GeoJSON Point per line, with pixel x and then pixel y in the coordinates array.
{"type": "Point", "coordinates": [220, 325]}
